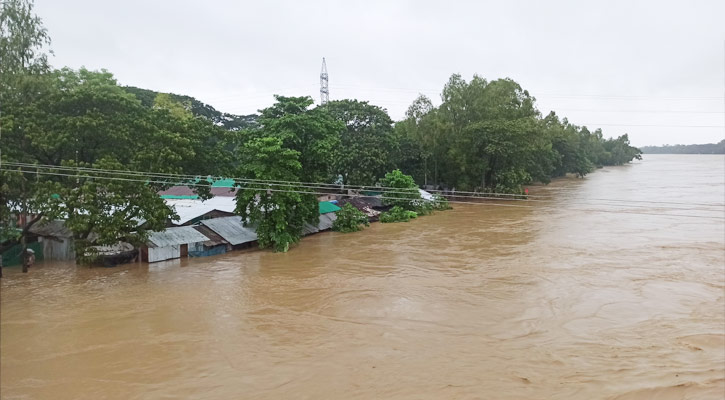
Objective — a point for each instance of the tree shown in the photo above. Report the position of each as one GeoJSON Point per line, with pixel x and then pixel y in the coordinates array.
{"type": "Point", "coordinates": [313, 133]}
{"type": "Point", "coordinates": [366, 144]}
{"type": "Point", "coordinates": [84, 119]}
{"type": "Point", "coordinates": [400, 190]}
{"type": "Point", "coordinates": [422, 126]}
{"type": "Point", "coordinates": [277, 211]}
{"type": "Point", "coordinates": [101, 210]}
{"type": "Point", "coordinates": [22, 38]}
{"type": "Point", "coordinates": [292, 144]}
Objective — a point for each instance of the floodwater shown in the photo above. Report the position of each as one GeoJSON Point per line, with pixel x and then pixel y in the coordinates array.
{"type": "Point", "coordinates": [575, 296]}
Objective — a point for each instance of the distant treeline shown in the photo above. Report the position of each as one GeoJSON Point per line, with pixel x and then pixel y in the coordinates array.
{"type": "Point", "coordinates": [709, 148]}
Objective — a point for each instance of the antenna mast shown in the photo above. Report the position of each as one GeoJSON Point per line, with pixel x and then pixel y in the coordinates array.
{"type": "Point", "coordinates": [324, 88]}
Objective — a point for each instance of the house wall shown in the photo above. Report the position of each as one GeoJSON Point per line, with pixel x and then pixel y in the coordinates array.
{"type": "Point", "coordinates": [209, 251]}
{"type": "Point", "coordinates": [58, 250]}
{"type": "Point", "coordinates": [163, 253]}
{"type": "Point", "coordinates": [169, 252]}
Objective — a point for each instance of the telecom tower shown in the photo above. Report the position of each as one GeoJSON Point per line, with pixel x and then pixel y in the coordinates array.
{"type": "Point", "coordinates": [324, 88]}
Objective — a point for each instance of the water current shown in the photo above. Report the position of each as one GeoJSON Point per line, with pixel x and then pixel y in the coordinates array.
{"type": "Point", "coordinates": [608, 287]}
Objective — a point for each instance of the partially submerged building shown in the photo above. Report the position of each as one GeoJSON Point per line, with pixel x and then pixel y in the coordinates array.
{"type": "Point", "coordinates": [214, 246]}
{"type": "Point", "coordinates": [233, 231]}
{"type": "Point", "coordinates": [328, 215]}
{"type": "Point", "coordinates": [172, 243]}
{"type": "Point", "coordinates": [191, 211]}
{"type": "Point", "coordinates": [55, 240]}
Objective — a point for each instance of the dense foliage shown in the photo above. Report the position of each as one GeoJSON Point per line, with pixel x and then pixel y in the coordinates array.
{"type": "Point", "coordinates": [400, 190]}
{"type": "Point", "coordinates": [61, 119]}
{"type": "Point", "coordinates": [709, 148]}
{"type": "Point", "coordinates": [277, 211]}
{"type": "Point", "coordinates": [366, 143]}
{"type": "Point", "coordinates": [228, 121]}
{"type": "Point", "coordinates": [349, 219]}
{"type": "Point", "coordinates": [397, 214]}
{"type": "Point", "coordinates": [489, 136]}
{"type": "Point", "coordinates": [292, 143]}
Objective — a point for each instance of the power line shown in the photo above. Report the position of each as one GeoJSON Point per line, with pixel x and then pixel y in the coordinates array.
{"type": "Point", "coordinates": [383, 197]}
{"type": "Point", "coordinates": [327, 186]}
{"type": "Point", "coordinates": [544, 94]}
{"type": "Point", "coordinates": [642, 111]}
{"type": "Point", "coordinates": [657, 125]}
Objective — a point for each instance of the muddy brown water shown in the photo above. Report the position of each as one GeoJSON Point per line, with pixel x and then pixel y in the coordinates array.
{"type": "Point", "coordinates": [556, 300]}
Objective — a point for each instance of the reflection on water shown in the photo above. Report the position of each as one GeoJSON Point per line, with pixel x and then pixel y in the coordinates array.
{"type": "Point", "coordinates": [551, 301]}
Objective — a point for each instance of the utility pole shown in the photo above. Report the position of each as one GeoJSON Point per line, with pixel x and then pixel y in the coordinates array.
{"type": "Point", "coordinates": [324, 87]}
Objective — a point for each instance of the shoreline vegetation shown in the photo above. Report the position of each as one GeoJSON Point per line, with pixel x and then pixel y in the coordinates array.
{"type": "Point", "coordinates": [80, 148]}
{"type": "Point", "coordinates": [708, 148]}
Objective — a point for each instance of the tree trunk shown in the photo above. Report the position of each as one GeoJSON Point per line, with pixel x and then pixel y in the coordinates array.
{"type": "Point", "coordinates": [425, 171]}
{"type": "Point", "coordinates": [24, 249]}
{"type": "Point", "coordinates": [435, 171]}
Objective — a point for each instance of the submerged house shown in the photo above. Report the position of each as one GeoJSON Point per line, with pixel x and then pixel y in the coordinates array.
{"type": "Point", "coordinates": [327, 217]}
{"type": "Point", "coordinates": [191, 211]}
{"type": "Point", "coordinates": [232, 230]}
{"type": "Point", "coordinates": [215, 245]}
{"type": "Point", "coordinates": [172, 243]}
{"type": "Point", "coordinates": [55, 240]}
{"type": "Point", "coordinates": [370, 206]}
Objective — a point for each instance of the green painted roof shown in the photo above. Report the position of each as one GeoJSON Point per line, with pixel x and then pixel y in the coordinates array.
{"type": "Point", "coordinates": [223, 183]}
{"type": "Point", "coordinates": [327, 207]}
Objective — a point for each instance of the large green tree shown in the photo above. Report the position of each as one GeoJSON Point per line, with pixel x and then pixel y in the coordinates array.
{"type": "Point", "coordinates": [312, 132]}
{"type": "Point", "coordinates": [293, 144]}
{"type": "Point", "coordinates": [23, 62]}
{"type": "Point", "coordinates": [277, 211]}
{"type": "Point", "coordinates": [366, 144]}
{"type": "Point", "coordinates": [84, 119]}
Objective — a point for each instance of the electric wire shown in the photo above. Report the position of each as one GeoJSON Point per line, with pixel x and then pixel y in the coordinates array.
{"type": "Point", "coordinates": [383, 197]}
{"type": "Point", "coordinates": [334, 186]}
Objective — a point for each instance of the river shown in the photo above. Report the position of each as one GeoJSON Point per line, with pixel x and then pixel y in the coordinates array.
{"type": "Point", "coordinates": [598, 289]}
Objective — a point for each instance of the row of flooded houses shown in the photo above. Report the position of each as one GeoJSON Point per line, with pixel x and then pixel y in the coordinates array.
{"type": "Point", "coordinates": [204, 228]}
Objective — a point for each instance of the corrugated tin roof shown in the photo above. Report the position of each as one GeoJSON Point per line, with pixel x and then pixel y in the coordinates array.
{"type": "Point", "coordinates": [188, 209]}
{"type": "Point", "coordinates": [325, 223]}
{"type": "Point", "coordinates": [185, 192]}
{"type": "Point", "coordinates": [55, 228]}
{"type": "Point", "coordinates": [176, 236]}
{"type": "Point", "coordinates": [327, 207]}
{"type": "Point", "coordinates": [308, 229]}
{"type": "Point", "coordinates": [231, 229]}
{"type": "Point", "coordinates": [214, 239]}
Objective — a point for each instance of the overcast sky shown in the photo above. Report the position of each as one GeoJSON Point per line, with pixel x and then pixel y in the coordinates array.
{"type": "Point", "coordinates": [653, 69]}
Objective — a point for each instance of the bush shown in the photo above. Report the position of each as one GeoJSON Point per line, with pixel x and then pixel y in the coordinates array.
{"type": "Point", "coordinates": [424, 207]}
{"type": "Point", "coordinates": [349, 219]}
{"type": "Point", "coordinates": [440, 203]}
{"type": "Point", "coordinates": [397, 214]}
